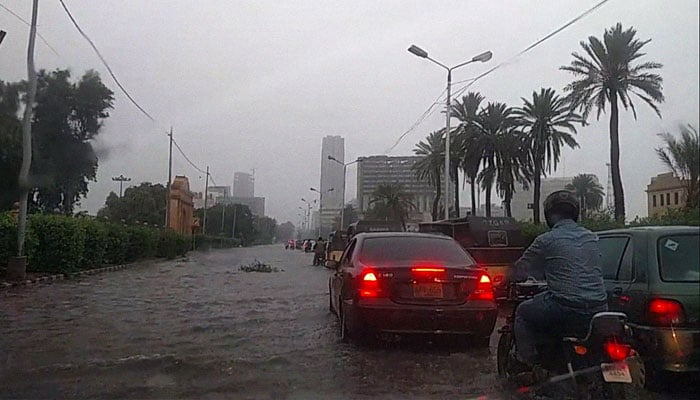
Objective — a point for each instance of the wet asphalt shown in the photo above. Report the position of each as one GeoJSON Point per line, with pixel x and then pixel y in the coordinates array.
{"type": "Point", "coordinates": [200, 328]}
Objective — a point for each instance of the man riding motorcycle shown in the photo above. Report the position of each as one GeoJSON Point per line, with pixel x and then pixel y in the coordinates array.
{"type": "Point", "coordinates": [567, 258]}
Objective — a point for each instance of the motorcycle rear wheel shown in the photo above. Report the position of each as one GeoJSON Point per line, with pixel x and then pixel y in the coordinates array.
{"type": "Point", "coordinates": [505, 344]}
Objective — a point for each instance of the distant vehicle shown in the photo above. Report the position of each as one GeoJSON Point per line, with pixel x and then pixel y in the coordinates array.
{"type": "Point", "coordinates": [337, 241]}
{"type": "Point", "coordinates": [410, 283]}
{"type": "Point", "coordinates": [373, 226]}
{"type": "Point", "coordinates": [652, 274]}
{"type": "Point", "coordinates": [494, 242]}
{"type": "Point", "coordinates": [298, 244]}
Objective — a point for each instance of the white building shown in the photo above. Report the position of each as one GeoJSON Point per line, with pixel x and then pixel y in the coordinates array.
{"type": "Point", "coordinates": [243, 185]}
{"type": "Point", "coordinates": [521, 205]}
{"type": "Point", "coordinates": [332, 180]}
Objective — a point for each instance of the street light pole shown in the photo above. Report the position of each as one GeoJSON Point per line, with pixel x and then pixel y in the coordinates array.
{"type": "Point", "coordinates": [483, 57]}
{"type": "Point", "coordinates": [320, 206]}
{"type": "Point", "coordinates": [345, 168]}
{"type": "Point", "coordinates": [121, 179]}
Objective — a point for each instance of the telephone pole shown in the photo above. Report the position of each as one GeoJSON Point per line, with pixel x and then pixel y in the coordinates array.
{"type": "Point", "coordinates": [121, 179]}
{"type": "Point", "coordinates": [170, 178]}
{"type": "Point", "coordinates": [206, 195]}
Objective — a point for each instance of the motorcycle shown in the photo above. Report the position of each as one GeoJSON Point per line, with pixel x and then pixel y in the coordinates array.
{"type": "Point", "coordinates": [597, 358]}
{"type": "Point", "coordinates": [319, 259]}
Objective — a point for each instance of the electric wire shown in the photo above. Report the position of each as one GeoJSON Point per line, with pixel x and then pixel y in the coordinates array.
{"type": "Point", "coordinates": [28, 24]}
{"type": "Point", "coordinates": [177, 146]}
{"type": "Point", "coordinates": [420, 120]}
{"type": "Point", "coordinates": [104, 62]}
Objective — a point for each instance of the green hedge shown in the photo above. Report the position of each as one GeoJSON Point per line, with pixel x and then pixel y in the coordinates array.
{"type": "Point", "coordinates": [604, 222]}
{"type": "Point", "coordinates": [61, 244]}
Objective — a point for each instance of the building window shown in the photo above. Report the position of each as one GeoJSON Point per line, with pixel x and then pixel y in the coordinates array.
{"type": "Point", "coordinates": [653, 201]}
{"type": "Point", "coordinates": [668, 199]}
{"type": "Point", "coordinates": [662, 199]}
{"type": "Point", "coordinates": [675, 197]}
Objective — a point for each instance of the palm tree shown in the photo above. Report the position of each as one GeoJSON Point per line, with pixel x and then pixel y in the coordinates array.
{"type": "Point", "coordinates": [589, 192]}
{"type": "Point", "coordinates": [608, 74]}
{"type": "Point", "coordinates": [430, 166]}
{"type": "Point", "coordinates": [468, 155]}
{"type": "Point", "coordinates": [493, 121]}
{"type": "Point", "coordinates": [683, 158]}
{"type": "Point", "coordinates": [548, 121]}
{"type": "Point", "coordinates": [391, 202]}
{"type": "Point", "coordinates": [513, 165]}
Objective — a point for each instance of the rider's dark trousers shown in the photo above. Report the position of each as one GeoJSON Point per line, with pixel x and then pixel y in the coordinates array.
{"type": "Point", "coordinates": [543, 317]}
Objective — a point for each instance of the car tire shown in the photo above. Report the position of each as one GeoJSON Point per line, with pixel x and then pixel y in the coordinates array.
{"type": "Point", "coordinates": [330, 300]}
{"type": "Point", "coordinates": [344, 332]}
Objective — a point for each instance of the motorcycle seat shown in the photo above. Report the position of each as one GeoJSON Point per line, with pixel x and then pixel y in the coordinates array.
{"type": "Point", "coordinates": [602, 324]}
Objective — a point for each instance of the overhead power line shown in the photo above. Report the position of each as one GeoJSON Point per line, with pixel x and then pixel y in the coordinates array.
{"type": "Point", "coordinates": [471, 81]}
{"type": "Point", "coordinates": [104, 62]}
{"type": "Point", "coordinates": [177, 146]}
{"type": "Point", "coordinates": [24, 21]}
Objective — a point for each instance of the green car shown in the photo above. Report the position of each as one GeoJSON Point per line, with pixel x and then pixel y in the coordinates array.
{"type": "Point", "coordinates": [653, 275]}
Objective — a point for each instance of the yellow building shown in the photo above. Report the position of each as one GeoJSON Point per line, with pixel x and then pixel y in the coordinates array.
{"type": "Point", "coordinates": [666, 191]}
{"type": "Point", "coordinates": [181, 206]}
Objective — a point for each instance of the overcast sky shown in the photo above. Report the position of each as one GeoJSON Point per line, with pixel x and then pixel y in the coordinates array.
{"type": "Point", "coordinates": [257, 84]}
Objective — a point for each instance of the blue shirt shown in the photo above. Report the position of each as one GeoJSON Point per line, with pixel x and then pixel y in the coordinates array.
{"type": "Point", "coordinates": [568, 258]}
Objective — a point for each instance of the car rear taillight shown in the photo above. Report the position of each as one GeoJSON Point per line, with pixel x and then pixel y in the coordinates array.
{"type": "Point", "coordinates": [617, 351]}
{"type": "Point", "coordinates": [483, 290]}
{"type": "Point", "coordinates": [369, 285]}
{"type": "Point", "coordinates": [663, 312]}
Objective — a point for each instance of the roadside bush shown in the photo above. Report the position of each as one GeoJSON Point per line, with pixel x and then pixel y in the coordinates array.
{"type": "Point", "coordinates": [96, 238]}
{"type": "Point", "coordinates": [8, 238]}
{"type": "Point", "coordinates": [117, 244]}
{"type": "Point", "coordinates": [143, 242]}
{"type": "Point", "coordinates": [57, 244]}
{"type": "Point", "coordinates": [172, 244]}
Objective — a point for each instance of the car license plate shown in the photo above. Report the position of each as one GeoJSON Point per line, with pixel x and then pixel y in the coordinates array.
{"type": "Point", "coordinates": [427, 290]}
{"type": "Point", "coordinates": [616, 372]}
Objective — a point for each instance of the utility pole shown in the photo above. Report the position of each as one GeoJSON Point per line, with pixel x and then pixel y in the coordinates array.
{"type": "Point", "coordinates": [17, 267]}
{"type": "Point", "coordinates": [170, 179]}
{"type": "Point", "coordinates": [121, 179]}
{"type": "Point", "coordinates": [223, 213]}
{"type": "Point", "coordinates": [233, 230]}
{"type": "Point", "coordinates": [206, 195]}
{"type": "Point", "coordinates": [2, 35]}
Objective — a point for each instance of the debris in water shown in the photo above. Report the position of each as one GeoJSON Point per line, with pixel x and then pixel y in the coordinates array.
{"type": "Point", "coordinates": [257, 266]}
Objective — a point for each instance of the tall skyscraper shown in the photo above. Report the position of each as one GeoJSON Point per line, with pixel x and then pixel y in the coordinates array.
{"type": "Point", "coordinates": [243, 185]}
{"type": "Point", "coordinates": [331, 178]}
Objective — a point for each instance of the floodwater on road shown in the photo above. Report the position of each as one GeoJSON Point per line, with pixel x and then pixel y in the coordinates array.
{"type": "Point", "coordinates": [201, 328]}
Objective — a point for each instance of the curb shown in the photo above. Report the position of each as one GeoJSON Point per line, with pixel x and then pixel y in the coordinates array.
{"type": "Point", "coordinates": [60, 277]}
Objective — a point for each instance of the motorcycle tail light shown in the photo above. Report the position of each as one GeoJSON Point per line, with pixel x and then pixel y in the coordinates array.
{"type": "Point", "coordinates": [617, 351]}
{"type": "Point", "coordinates": [580, 350]}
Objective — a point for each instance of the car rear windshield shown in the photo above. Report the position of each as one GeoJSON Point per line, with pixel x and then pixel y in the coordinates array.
{"type": "Point", "coordinates": [679, 259]}
{"type": "Point", "coordinates": [387, 250]}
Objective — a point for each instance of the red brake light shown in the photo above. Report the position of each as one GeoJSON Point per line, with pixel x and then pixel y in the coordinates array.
{"type": "Point", "coordinates": [369, 285]}
{"type": "Point", "coordinates": [428, 269]}
{"type": "Point", "coordinates": [617, 351]}
{"type": "Point", "coordinates": [664, 312]}
{"type": "Point", "coordinates": [483, 290]}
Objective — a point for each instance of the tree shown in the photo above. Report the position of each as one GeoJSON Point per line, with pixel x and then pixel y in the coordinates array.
{"type": "Point", "coordinates": [589, 192]}
{"type": "Point", "coordinates": [682, 157]}
{"type": "Point", "coordinates": [468, 157]}
{"type": "Point", "coordinates": [492, 121]}
{"type": "Point", "coordinates": [548, 121]}
{"type": "Point", "coordinates": [144, 203]}
{"type": "Point", "coordinates": [10, 145]}
{"type": "Point", "coordinates": [431, 164]}
{"type": "Point", "coordinates": [608, 74]}
{"type": "Point", "coordinates": [285, 231]}
{"type": "Point", "coordinates": [513, 165]}
{"type": "Point", "coordinates": [245, 229]}
{"type": "Point", "coordinates": [349, 216]}
{"type": "Point", "coordinates": [265, 229]}
{"type": "Point", "coordinates": [390, 202]}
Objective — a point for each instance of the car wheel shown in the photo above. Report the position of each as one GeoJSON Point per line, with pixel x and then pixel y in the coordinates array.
{"type": "Point", "coordinates": [344, 333]}
{"type": "Point", "coordinates": [330, 300]}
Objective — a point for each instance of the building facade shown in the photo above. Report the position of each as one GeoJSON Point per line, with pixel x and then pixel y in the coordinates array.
{"type": "Point", "coordinates": [243, 185]}
{"type": "Point", "coordinates": [384, 170]}
{"type": "Point", "coordinates": [181, 216]}
{"type": "Point", "coordinates": [332, 180]}
{"type": "Point", "coordinates": [521, 204]}
{"type": "Point", "coordinates": [666, 191]}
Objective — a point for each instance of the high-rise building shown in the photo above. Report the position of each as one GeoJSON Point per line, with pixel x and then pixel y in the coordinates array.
{"type": "Point", "coordinates": [384, 170]}
{"type": "Point", "coordinates": [332, 180]}
{"type": "Point", "coordinates": [243, 184]}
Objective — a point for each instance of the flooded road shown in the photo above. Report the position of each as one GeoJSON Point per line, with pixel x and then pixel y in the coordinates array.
{"type": "Point", "coordinates": [200, 328]}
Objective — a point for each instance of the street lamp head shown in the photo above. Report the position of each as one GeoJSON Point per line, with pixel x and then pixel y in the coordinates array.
{"type": "Point", "coordinates": [418, 51]}
{"type": "Point", "coordinates": [483, 57]}
{"type": "Point", "coordinates": [331, 189]}
{"type": "Point", "coordinates": [331, 157]}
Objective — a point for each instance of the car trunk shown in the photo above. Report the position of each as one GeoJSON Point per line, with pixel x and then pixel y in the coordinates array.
{"type": "Point", "coordinates": [429, 285]}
